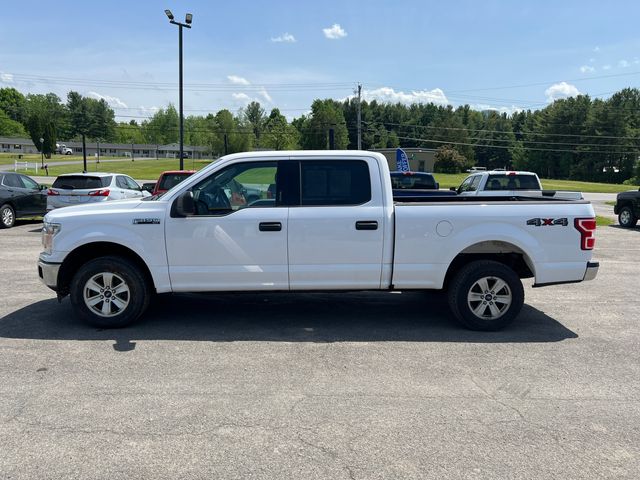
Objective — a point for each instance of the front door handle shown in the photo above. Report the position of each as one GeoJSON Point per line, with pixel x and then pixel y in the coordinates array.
{"type": "Point", "coordinates": [366, 225]}
{"type": "Point", "coordinates": [270, 226]}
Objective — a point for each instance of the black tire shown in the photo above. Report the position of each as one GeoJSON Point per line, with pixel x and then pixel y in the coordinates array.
{"type": "Point", "coordinates": [626, 218]}
{"type": "Point", "coordinates": [7, 216]}
{"type": "Point", "coordinates": [122, 271]}
{"type": "Point", "coordinates": [495, 313]}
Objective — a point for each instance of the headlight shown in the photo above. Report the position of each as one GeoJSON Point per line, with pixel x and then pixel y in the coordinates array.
{"type": "Point", "coordinates": [49, 230]}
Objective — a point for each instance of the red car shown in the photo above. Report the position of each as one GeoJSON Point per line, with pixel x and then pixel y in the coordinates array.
{"type": "Point", "coordinates": [170, 179]}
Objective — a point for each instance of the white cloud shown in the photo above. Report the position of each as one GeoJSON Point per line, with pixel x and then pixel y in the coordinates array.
{"type": "Point", "coordinates": [560, 90]}
{"type": "Point", "coordinates": [6, 77]}
{"type": "Point", "coordinates": [508, 110]}
{"type": "Point", "coordinates": [242, 97]}
{"type": "Point", "coordinates": [592, 60]}
{"type": "Point", "coordinates": [335, 32]}
{"type": "Point", "coordinates": [266, 95]}
{"type": "Point", "coordinates": [636, 61]}
{"type": "Point", "coordinates": [113, 102]}
{"type": "Point", "coordinates": [596, 49]}
{"type": "Point", "coordinates": [284, 38]}
{"type": "Point", "coordinates": [587, 69]}
{"type": "Point", "coordinates": [623, 64]}
{"type": "Point", "coordinates": [389, 95]}
{"type": "Point", "coordinates": [238, 80]}
{"type": "Point", "coordinates": [606, 67]}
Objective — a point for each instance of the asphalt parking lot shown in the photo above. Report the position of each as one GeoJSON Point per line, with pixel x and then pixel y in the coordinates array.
{"type": "Point", "coordinates": [354, 386]}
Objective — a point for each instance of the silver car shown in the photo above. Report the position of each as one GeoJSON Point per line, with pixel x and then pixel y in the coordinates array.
{"type": "Point", "coordinates": [81, 188]}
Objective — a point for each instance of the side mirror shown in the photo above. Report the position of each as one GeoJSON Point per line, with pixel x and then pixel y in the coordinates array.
{"type": "Point", "coordinates": [42, 187]}
{"type": "Point", "coordinates": [453, 189]}
{"type": "Point", "coordinates": [184, 206]}
{"type": "Point", "coordinates": [437, 186]}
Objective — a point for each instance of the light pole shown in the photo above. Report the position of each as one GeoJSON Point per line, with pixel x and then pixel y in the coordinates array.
{"type": "Point", "coordinates": [41, 152]}
{"type": "Point", "coordinates": [187, 23]}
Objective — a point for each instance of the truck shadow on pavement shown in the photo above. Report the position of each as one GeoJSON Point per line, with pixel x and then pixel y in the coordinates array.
{"type": "Point", "coordinates": [298, 317]}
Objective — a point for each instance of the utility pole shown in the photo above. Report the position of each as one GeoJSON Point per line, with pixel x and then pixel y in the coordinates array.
{"type": "Point", "coordinates": [187, 24]}
{"type": "Point", "coordinates": [359, 118]}
{"type": "Point", "coordinates": [84, 154]}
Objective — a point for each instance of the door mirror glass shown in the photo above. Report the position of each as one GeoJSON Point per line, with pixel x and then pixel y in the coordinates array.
{"type": "Point", "coordinates": [184, 206]}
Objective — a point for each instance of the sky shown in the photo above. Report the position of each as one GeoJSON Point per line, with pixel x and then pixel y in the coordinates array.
{"type": "Point", "coordinates": [502, 55]}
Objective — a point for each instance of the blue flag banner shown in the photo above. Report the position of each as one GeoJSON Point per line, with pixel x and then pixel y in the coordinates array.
{"type": "Point", "coordinates": [402, 162]}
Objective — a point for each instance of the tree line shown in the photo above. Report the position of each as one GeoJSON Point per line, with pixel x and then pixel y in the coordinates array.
{"type": "Point", "coordinates": [574, 138]}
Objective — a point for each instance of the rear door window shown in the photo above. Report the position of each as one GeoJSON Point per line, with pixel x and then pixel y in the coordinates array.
{"type": "Point", "coordinates": [334, 182]}
{"type": "Point", "coordinates": [12, 181]}
{"type": "Point", "coordinates": [28, 183]}
{"type": "Point", "coordinates": [131, 183]}
{"type": "Point", "coordinates": [81, 182]}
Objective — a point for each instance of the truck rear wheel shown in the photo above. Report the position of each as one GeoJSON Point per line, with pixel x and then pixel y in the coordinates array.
{"type": "Point", "coordinates": [626, 218]}
{"type": "Point", "coordinates": [486, 295]}
{"type": "Point", "coordinates": [109, 292]}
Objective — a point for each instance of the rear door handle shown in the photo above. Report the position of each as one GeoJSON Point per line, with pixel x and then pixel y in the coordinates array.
{"type": "Point", "coordinates": [366, 225]}
{"type": "Point", "coordinates": [270, 226]}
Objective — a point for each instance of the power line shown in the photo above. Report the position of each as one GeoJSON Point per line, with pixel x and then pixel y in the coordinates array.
{"type": "Point", "coordinates": [424, 140]}
{"type": "Point", "coordinates": [504, 131]}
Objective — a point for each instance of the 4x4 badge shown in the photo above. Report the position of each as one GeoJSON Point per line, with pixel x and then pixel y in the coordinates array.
{"type": "Point", "coordinates": [548, 222]}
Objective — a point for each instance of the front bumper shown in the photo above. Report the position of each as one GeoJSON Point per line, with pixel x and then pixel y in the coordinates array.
{"type": "Point", "coordinates": [48, 273]}
{"type": "Point", "coordinates": [592, 271]}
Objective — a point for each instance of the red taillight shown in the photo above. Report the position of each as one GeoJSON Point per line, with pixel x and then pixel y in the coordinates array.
{"type": "Point", "coordinates": [99, 193]}
{"type": "Point", "coordinates": [587, 229]}
{"type": "Point", "coordinates": [52, 192]}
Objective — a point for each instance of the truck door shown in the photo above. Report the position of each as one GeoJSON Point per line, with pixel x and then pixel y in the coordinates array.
{"type": "Point", "coordinates": [231, 244]}
{"type": "Point", "coordinates": [336, 233]}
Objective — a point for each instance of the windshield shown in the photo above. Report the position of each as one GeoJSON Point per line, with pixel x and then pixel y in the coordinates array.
{"type": "Point", "coordinates": [80, 182]}
{"type": "Point", "coordinates": [170, 180]}
{"type": "Point", "coordinates": [415, 181]}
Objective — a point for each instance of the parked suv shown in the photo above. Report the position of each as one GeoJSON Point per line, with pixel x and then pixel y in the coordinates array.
{"type": "Point", "coordinates": [81, 188]}
{"type": "Point", "coordinates": [20, 196]}
{"type": "Point", "coordinates": [628, 208]}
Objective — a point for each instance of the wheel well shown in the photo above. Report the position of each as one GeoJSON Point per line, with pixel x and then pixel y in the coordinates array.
{"type": "Point", "coordinates": [83, 254]}
{"type": "Point", "coordinates": [501, 252]}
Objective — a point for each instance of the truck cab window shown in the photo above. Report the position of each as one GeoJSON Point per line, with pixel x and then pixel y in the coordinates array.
{"type": "Point", "coordinates": [335, 182]}
{"type": "Point", "coordinates": [243, 185]}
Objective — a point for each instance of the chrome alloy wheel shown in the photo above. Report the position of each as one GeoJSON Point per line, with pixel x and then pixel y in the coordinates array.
{"type": "Point", "coordinates": [7, 216]}
{"type": "Point", "coordinates": [625, 217]}
{"type": "Point", "coordinates": [106, 294]}
{"type": "Point", "coordinates": [489, 298]}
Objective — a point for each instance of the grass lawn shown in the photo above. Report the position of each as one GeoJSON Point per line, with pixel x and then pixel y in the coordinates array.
{"type": "Point", "coordinates": [140, 170]}
{"type": "Point", "coordinates": [603, 221]}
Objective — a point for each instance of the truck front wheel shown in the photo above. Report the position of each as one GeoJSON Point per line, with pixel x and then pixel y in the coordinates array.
{"type": "Point", "coordinates": [626, 218]}
{"type": "Point", "coordinates": [109, 292]}
{"type": "Point", "coordinates": [486, 295]}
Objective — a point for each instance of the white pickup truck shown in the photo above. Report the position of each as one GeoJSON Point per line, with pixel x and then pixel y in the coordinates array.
{"type": "Point", "coordinates": [502, 183]}
{"type": "Point", "coordinates": [325, 221]}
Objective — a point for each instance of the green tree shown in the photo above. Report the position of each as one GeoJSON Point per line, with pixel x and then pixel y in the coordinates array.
{"type": "Point", "coordinates": [13, 103]}
{"type": "Point", "coordinates": [45, 112]}
{"type": "Point", "coordinates": [254, 115]}
{"type": "Point", "coordinates": [448, 160]}
{"type": "Point", "coordinates": [325, 115]}
{"type": "Point", "coordinates": [278, 133]}
{"type": "Point", "coordinates": [9, 127]}
{"type": "Point", "coordinates": [163, 128]}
